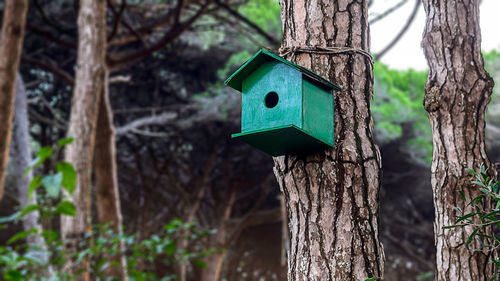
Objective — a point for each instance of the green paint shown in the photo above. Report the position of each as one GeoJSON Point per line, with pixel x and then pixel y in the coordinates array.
{"type": "Point", "coordinates": [317, 112]}
{"type": "Point", "coordinates": [282, 140]}
{"type": "Point", "coordinates": [286, 109]}
{"type": "Point", "coordinates": [271, 77]}
{"type": "Point", "coordinates": [236, 79]}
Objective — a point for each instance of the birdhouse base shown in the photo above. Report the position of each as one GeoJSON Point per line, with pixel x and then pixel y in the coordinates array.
{"type": "Point", "coordinates": [277, 141]}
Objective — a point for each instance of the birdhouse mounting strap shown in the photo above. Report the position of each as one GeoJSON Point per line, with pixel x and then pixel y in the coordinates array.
{"type": "Point", "coordinates": [284, 51]}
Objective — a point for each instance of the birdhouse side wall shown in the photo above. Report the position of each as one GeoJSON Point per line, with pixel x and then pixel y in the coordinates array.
{"type": "Point", "coordinates": [317, 111]}
{"type": "Point", "coordinates": [286, 83]}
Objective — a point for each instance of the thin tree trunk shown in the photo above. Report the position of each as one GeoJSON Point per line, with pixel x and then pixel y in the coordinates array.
{"type": "Point", "coordinates": [89, 84]}
{"type": "Point", "coordinates": [194, 206]}
{"type": "Point", "coordinates": [106, 179]}
{"type": "Point", "coordinates": [20, 157]}
{"type": "Point", "coordinates": [457, 92]}
{"type": "Point", "coordinates": [332, 197]}
{"type": "Point", "coordinates": [219, 240]}
{"type": "Point", "coordinates": [11, 42]}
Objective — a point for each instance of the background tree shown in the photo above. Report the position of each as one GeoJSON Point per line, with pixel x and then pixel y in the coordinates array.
{"type": "Point", "coordinates": [332, 197]}
{"type": "Point", "coordinates": [19, 159]}
{"type": "Point", "coordinates": [457, 92]}
{"type": "Point", "coordinates": [89, 85]}
{"type": "Point", "coordinates": [11, 42]}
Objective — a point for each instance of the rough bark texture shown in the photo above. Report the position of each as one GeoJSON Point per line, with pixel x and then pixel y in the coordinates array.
{"type": "Point", "coordinates": [89, 83]}
{"type": "Point", "coordinates": [106, 180]}
{"type": "Point", "coordinates": [14, 20]}
{"type": "Point", "coordinates": [332, 196]}
{"type": "Point", "coordinates": [19, 158]}
{"type": "Point", "coordinates": [457, 92]}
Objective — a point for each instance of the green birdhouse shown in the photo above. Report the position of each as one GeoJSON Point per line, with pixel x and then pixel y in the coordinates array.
{"type": "Point", "coordinates": [286, 109]}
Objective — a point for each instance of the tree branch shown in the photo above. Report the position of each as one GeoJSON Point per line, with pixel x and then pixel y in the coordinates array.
{"type": "Point", "coordinates": [118, 60]}
{"type": "Point", "coordinates": [147, 121]}
{"type": "Point", "coordinates": [239, 16]}
{"type": "Point", "coordinates": [50, 22]}
{"type": "Point", "coordinates": [118, 17]}
{"type": "Point", "coordinates": [51, 68]}
{"type": "Point", "coordinates": [49, 36]}
{"type": "Point", "coordinates": [401, 33]}
{"type": "Point", "coordinates": [388, 11]}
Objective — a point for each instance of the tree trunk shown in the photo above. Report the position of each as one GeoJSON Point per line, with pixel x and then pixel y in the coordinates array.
{"type": "Point", "coordinates": [219, 240]}
{"type": "Point", "coordinates": [106, 179]}
{"type": "Point", "coordinates": [89, 83]}
{"type": "Point", "coordinates": [11, 42]}
{"type": "Point", "coordinates": [20, 157]}
{"type": "Point", "coordinates": [457, 92]}
{"type": "Point", "coordinates": [332, 197]}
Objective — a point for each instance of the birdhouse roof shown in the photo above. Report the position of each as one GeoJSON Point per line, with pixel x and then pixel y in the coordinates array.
{"type": "Point", "coordinates": [262, 56]}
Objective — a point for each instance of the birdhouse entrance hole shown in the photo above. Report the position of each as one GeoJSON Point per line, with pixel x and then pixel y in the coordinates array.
{"type": "Point", "coordinates": [271, 99]}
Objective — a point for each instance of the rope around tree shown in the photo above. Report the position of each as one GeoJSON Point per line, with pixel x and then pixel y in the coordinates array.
{"type": "Point", "coordinates": [285, 51]}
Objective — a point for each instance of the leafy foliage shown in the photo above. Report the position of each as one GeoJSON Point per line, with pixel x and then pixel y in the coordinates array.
{"type": "Point", "coordinates": [264, 13]}
{"type": "Point", "coordinates": [398, 111]}
{"type": "Point", "coordinates": [23, 261]}
{"type": "Point", "coordinates": [482, 215]}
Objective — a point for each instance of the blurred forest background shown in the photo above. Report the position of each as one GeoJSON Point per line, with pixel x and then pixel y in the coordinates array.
{"type": "Point", "coordinates": [173, 118]}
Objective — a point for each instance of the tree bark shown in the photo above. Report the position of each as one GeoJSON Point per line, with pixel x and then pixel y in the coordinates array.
{"type": "Point", "coordinates": [89, 84]}
{"type": "Point", "coordinates": [11, 42]}
{"type": "Point", "coordinates": [332, 197]}
{"type": "Point", "coordinates": [106, 179]}
{"type": "Point", "coordinates": [457, 92]}
{"type": "Point", "coordinates": [20, 157]}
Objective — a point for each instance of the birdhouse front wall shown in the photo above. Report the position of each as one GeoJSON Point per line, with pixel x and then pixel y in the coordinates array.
{"type": "Point", "coordinates": [271, 97]}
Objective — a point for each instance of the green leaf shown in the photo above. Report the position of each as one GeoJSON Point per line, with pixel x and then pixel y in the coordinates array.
{"type": "Point", "coordinates": [50, 235]}
{"type": "Point", "coordinates": [170, 249]}
{"type": "Point", "coordinates": [35, 183]}
{"type": "Point", "coordinates": [472, 172]}
{"type": "Point", "coordinates": [464, 217]}
{"type": "Point", "coordinates": [52, 184]}
{"type": "Point", "coordinates": [487, 192]}
{"type": "Point", "coordinates": [457, 209]}
{"type": "Point", "coordinates": [68, 176]}
{"type": "Point", "coordinates": [65, 141]}
{"type": "Point", "coordinates": [371, 279]}
{"type": "Point", "coordinates": [203, 264]}
{"type": "Point", "coordinates": [471, 237]}
{"type": "Point", "coordinates": [490, 214]}
{"type": "Point", "coordinates": [29, 209]}
{"type": "Point", "coordinates": [21, 235]}
{"type": "Point", "coordinates": [462, 195]}
{"type": "Point", "coordinates": [13, 274]}
{"type": "Point", "coordinates": [44, 153]}
{"type": "Point", "coordinates": [66, 208]}
{"type": "Point", "coordinates": [478, 183]}
{"type": "Point", "coordinates": [10, 218]}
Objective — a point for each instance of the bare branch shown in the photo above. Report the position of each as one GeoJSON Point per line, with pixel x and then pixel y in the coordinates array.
{"type": "Point", "coordinates": [401, 33]}
{"type": "Point", "coordinates": [47, 35]}
{"type": "Point", "coordinates": [118, 17]}
{"type": "Point", "coordinates": [239, 16]}
{"type": "Point", "coordinates": [388, 11]}
{"type": "Point", "coordinates": [147, 121]}
{"type": "Point", "coordinates": [118, 60]}
{"type": "Point", "coordinates": [51, 68]}
{"type": "Point", "coordinates": [120, 79]}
